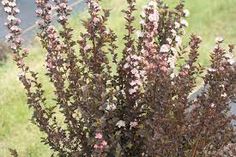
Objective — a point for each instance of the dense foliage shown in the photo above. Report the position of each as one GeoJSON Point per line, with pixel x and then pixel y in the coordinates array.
{"type": "Point", "coordinates": [134, 105]}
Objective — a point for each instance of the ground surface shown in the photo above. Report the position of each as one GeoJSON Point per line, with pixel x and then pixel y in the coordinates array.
{"type": "Point", "coordinates": [209, 18]}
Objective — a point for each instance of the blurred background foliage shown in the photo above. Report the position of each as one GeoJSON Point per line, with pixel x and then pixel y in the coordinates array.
{"type": "Point", "coordinates": [208, 18]}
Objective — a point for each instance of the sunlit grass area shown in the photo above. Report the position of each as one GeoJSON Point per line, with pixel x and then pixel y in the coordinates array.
{"type": "Point", "coordinates": [209, 18]}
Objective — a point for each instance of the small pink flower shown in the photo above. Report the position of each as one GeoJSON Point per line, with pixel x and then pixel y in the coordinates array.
{"type": "Point", "coordinates": [212, 105]}
{"type": "Point", "coordinates": [12, 4]}
{"type": "Point", "coordinates": [7, 9]}
{"type": "Point", "coordinates": [63, 5]}
{"type": "Point", "coordinates": [39, 11]}
{"type": "Point", "coordinates": [132, 83]}
{"type": "Point", "coordinates": [120, 124]}
{"type": "Point", "coordinates": [62, 18]}
{"type": "Point", "coordinates": [173, 32]}
{"type": "Point", "coordinates": [178, 40]}
{"type": "Point", "coordinates": [164, 69]}
{"type": "Point", "coordinates": [104, 143]}
{"type": "Point", "coordinates": [183, 73]}
{"type": "Point", "coordinates": [96, 20]}
{"type": "Point", "coordinates": [219, 39]}
{"type": "Point", "coordinates": [134, 71]}
{"type": "Point", "coordinates": [169, 40]}
{"type": "Point", "coordinates": [139, 34]}
{"type": "Point", "coordinates": [221, 68]}
{"type": "Point", "coordinates": [96, 146]}
{"type": "Point", "coordinates": [224, 95]}
{"type": "Point", "coordinates": [142, 22]}
{"type": "Point", "coordinates": [11, 18]}
{"type": "Point", "coordinates": [87, 47]}
{"type": "Point", "coordinates": [133, 124]}
{"type": "Point", "coordinates": [26, 50]}
{"type": "Point", "coordinates": [186, 13]}
{"type": "Point", "coordinates": [212, 70]}
{"type": "Point", "coordinates": [165, 48]}
{"type": "Point", "coordinates": [153, 17]}
{"type": "Point", "coordinates": [184, 23]}
{"type": "Point", "coordinates": [98, 136]}
{"type": "Point", "coordinates": [16, 10]}
{"type": "Point", "coordinates": [5, 2]}
{"type": "Point", "coordinates": [177, 25]}
{"type": "Point", "coordinates": [132, 91]}
{"type": "Point", "coordinates": [126, 65]}
{"type": "Point", "coordinates": [187, 66]}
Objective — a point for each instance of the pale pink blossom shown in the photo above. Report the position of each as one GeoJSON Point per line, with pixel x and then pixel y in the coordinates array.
{"type": "Point", "coordinates": [211, 70]}
{"type": "Point", "coordinates": [224, 95]}
{"type": "Point", "coordinates": [173, 32]}
{"type": "Point", "coordinates": [184, 22]}
{"type": "Point", "coordinates": [221, 68]}
{"type": "Point", "coordinates": [5, 2]}
{"type": "Point", "coordinates": [169, 40]}
{"type": "Point", "coordinates": [120, 124]}
{"type": "Point", "coordinates": [153, 17]}
{"type": "Point", "coordinates": [135, 57]}
{"type": "Point", "coordinates": [142, 22]}
{"type": "Point", "coordinates": [87, 47]}
{"type": "Point", "coordinates": [126, 65]}
{"type": "Point", "coordinates": [187, 66]}
{"type": "Point", "coordinates": [183, 73]}
{"type": "Point", "coordinates": [139, 34]}
{"type": "Point", "coordinates": [104, 143]}
{"type": "Point", "coordinates": [135, 82]}
{"type": "Point", "coordinates": [129, 50]}
{"type": "Point", "coordinates": [231, 61]}
{"type": "Point", "coordinates": [165, 48]}
{"type": "Point", "coordinates": [7, 9]}
{"type": "Point", "coordinates": [177, 25]}
{"type": "Point", "coordinates": [219, 39]}
{"type": "Point", "coordinates": [11, 18]}
{"type": "Point", "coordinates": [128, 59]}
{"type": "Point", "coordinates": [164, 69]}
{"type": "Point", "coordinates": [134, 71]}
{"type": "Point", "coordinates": [16, 10]}
{"type": "Point", "coordinates": [98, 136]}
{"type": "Point", "coordinates": [96, 146]}
{"type": "Point", "coordinates": [14, 28]}
{"type": "Point", "coordinates": [178, 40]}
{"type": "Point", "coordinates": [96, 20]}
{"type": "Point", "coordinates": [212, 105]}
{"type": "Point", "coordinates": [39, 11]}
{"type": "Point", "coordinates": [12, 4]}
{"type": "Point", "coordinates": [111, 107]}
{"type": "Point", "coordinates": [133, 124]}
{"type": "Point", "coordinates": [186, 13]}
{"type": "Point", "coordinates": [132, 91]}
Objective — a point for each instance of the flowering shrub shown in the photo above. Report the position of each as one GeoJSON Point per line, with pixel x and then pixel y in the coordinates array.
{"type": "Point", "coordinates": [136, 105]}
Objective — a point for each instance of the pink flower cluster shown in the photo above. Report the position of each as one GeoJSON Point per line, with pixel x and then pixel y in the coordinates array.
{"type": "Point", "coordinates": [44, 12]}
{"type": "Point", "coordinates": [149, 24]}
{"type": "Point", "coordinates": [13, 24]}
{"type": "Point", "coordinates": [133, 65]}
{"type": "Point", "coordinates": [101, 145]}
{"type": "Point", "coordinates": [63, 10]}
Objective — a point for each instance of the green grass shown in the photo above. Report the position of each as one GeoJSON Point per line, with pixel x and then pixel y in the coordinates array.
{"type": "Point", "coordinates": [209, 18]}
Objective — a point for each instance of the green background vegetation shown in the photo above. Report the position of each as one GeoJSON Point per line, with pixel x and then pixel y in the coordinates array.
{"type": "Point", "coordinates": [208, 18]}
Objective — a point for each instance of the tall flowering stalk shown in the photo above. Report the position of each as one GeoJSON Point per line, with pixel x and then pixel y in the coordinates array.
{"type": "Point", "coordinates": [135, 106]}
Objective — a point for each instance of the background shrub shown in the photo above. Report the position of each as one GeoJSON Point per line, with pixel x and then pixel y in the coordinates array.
{"type": "Point", "coordinates": [4, 52]}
